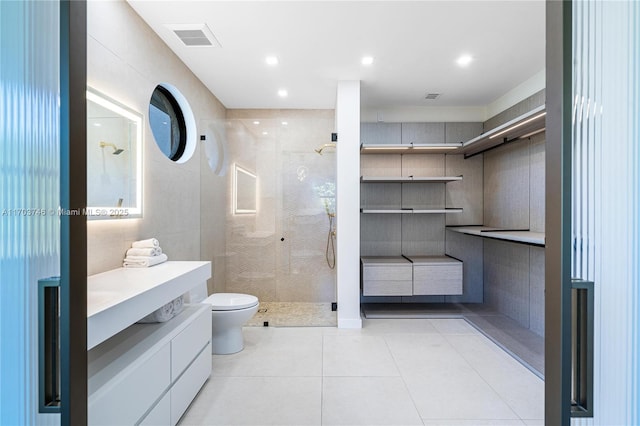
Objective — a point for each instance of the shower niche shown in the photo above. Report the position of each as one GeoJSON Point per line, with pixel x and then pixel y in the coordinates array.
{"type": "Point", "coordinates": [114, 159]}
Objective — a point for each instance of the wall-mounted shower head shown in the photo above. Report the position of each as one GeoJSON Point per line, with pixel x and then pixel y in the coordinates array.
{"type": "Point", "coordinates": [116, 150]}
{"type": "Point", "coordinates": [326, 145]}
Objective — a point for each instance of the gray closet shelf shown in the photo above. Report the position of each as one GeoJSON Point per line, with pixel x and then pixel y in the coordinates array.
{"type": "Point", "coordinates": [413, 148]}
{"type": "Point", "coordinates": [407, 179]}
{"type": "Point", "coordinates": [521, 127]}
{"type": "Point", "coordinates": [412, 211]}
{"type": "Point", "coordinates": [516, 236]}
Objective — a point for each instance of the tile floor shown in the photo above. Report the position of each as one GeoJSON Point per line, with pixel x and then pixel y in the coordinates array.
{"type": "Point", "coordinates": [390, 372]}
{"type": "Point", "coordinates": [521, 342]}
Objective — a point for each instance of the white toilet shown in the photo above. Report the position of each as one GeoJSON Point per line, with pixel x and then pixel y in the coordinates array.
{"type": "Point", "coordinates": [229, 312]}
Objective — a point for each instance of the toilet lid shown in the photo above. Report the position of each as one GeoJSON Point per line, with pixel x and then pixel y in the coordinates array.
{"type": "Point", "coordinates": [230, 301]}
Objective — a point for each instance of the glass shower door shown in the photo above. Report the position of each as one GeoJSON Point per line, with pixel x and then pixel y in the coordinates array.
{"type": "Point", "coordinates": [284, 251]}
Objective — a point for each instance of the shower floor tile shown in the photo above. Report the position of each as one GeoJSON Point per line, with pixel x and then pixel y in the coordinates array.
{"type": "Point", "coordinates": [294, 314]}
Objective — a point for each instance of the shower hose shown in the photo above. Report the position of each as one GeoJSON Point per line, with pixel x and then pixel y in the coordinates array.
{"type": "Point", "coordinates": [331, 247]}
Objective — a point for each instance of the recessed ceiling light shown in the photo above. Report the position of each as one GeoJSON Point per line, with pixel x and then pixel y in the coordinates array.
{"type": "Point", "coordinates": [272, 60]}
{"type": "Point", "coordinates": [265, 133]}
{"type": "Point", "coordinates": [284, 123]}
{"type": "Point", "coordinates": [464, 60]}
{"type": "Point", "coordinates": [256, 122]}
{"type": "Point", "coordinates": [283, 93]}
{"type": "Point", "coordinates": [367, 60]}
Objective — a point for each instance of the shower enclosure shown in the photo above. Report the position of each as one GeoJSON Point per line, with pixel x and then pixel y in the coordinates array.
{"type": "Point", "coordinates": [280, 216]}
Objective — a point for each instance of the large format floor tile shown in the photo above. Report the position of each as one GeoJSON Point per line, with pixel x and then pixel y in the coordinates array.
{"type": "Point", "coordinates": [258, 401]}
{"type": "Point", "coordinates": [357, 355]}
{"type": "Point", "coordinates": [278, 352]}
{"type": "Point", "coordinates": [521, 390]}
{"type": "Point", "coordinates": [391, 372]}
{"type": "Point", "coordinates": [367, 401]}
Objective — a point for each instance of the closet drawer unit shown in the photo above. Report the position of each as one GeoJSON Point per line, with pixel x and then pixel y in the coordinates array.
{"type": "Point", "coordinates": [436, 276]}
{"type": "Point", "coordinates": [386, 276]}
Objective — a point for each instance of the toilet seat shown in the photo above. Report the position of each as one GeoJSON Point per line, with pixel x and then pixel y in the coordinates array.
{"type": "Point", "coordinates": [230, 301]}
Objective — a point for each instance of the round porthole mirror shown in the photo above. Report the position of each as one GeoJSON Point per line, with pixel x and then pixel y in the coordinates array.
{"type": "Point", "coordinates": [172, 123]}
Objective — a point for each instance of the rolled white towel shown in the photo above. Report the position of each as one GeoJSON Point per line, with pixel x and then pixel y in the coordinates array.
{"type": "Point", "coordinates": [178, 305]}
{"type": "Point", "coordinates": [164, 313]}
{"type": "Point", "coordinates": [143, 261]}
{"type": "Point", "coordinates": [149, 251]}
{"type": "Point", "coordinates": [150, 243]}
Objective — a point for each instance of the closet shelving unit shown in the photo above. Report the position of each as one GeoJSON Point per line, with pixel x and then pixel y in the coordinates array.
{"type": "Point", "coordinates": [412, 148]}
{"type": "Point", "coordinates": [410, 275]}
{"type": "Point", "coordinates": [513, 235]}
{"type": "Point", "coordinates": [521, 127]}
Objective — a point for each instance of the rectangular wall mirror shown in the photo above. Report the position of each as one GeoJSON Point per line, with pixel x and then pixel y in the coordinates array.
{"type": "Point", "coordinates": [244, 191]}
{"type": "Point", "coordinates": [114, 159]}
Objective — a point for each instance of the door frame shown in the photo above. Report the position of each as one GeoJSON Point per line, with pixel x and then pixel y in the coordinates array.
{"type": "Point", "coordinates": [557, 354]}
{"type": "Point", "coordinates": [73, 197]}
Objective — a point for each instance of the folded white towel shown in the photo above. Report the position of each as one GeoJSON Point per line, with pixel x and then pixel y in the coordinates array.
{"type": "Point", "coordinates": [149, 251]}
{"type": "Point", "coordinates": [143, 261]}
{"type": "Point", "coordinates": [165, 313]}
{"type": "Point", "coordinates": [150, 243]}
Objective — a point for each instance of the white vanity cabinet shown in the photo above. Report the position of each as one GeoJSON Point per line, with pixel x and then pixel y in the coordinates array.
{"type": "Point", "coordinates": [150, 373]}
{"type": "Point", "coordinates": [145, 374]}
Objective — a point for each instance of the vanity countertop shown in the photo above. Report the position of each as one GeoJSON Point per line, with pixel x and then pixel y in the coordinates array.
{"type": "Point", "coordinates": [120, 297]}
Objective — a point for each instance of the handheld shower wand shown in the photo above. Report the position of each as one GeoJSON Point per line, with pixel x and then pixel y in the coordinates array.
{"type": "Point", "coordinates": [330, 252]}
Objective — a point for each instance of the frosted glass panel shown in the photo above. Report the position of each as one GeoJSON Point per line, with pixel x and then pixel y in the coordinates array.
{"type": "Point", "coordinates": [29, 200]}
{"type": "Point", "coordinates": [606, 107]}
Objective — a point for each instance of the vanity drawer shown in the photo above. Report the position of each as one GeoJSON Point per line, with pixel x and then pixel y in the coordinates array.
{"type": "Point", "coordinates": [160, 414]}
{"type": "Point", "coordinates": [188, 343]}
{"type": "Point", "coordinates": [188, 385]}
{"type": "Point", "coordinates": [144, 382]}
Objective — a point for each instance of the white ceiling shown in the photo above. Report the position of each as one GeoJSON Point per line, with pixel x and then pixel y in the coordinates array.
{"type": "Point", "coordinates": [414, 45]}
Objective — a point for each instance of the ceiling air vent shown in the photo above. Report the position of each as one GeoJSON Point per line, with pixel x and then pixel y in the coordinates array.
{"type": "Point", "coordinates": [432, 96]}
{"type": "Point", "coordinates": [194, 35]}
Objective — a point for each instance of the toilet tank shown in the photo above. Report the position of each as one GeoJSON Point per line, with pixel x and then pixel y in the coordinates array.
{"type": "Point", "coordinates": [197, 294]}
